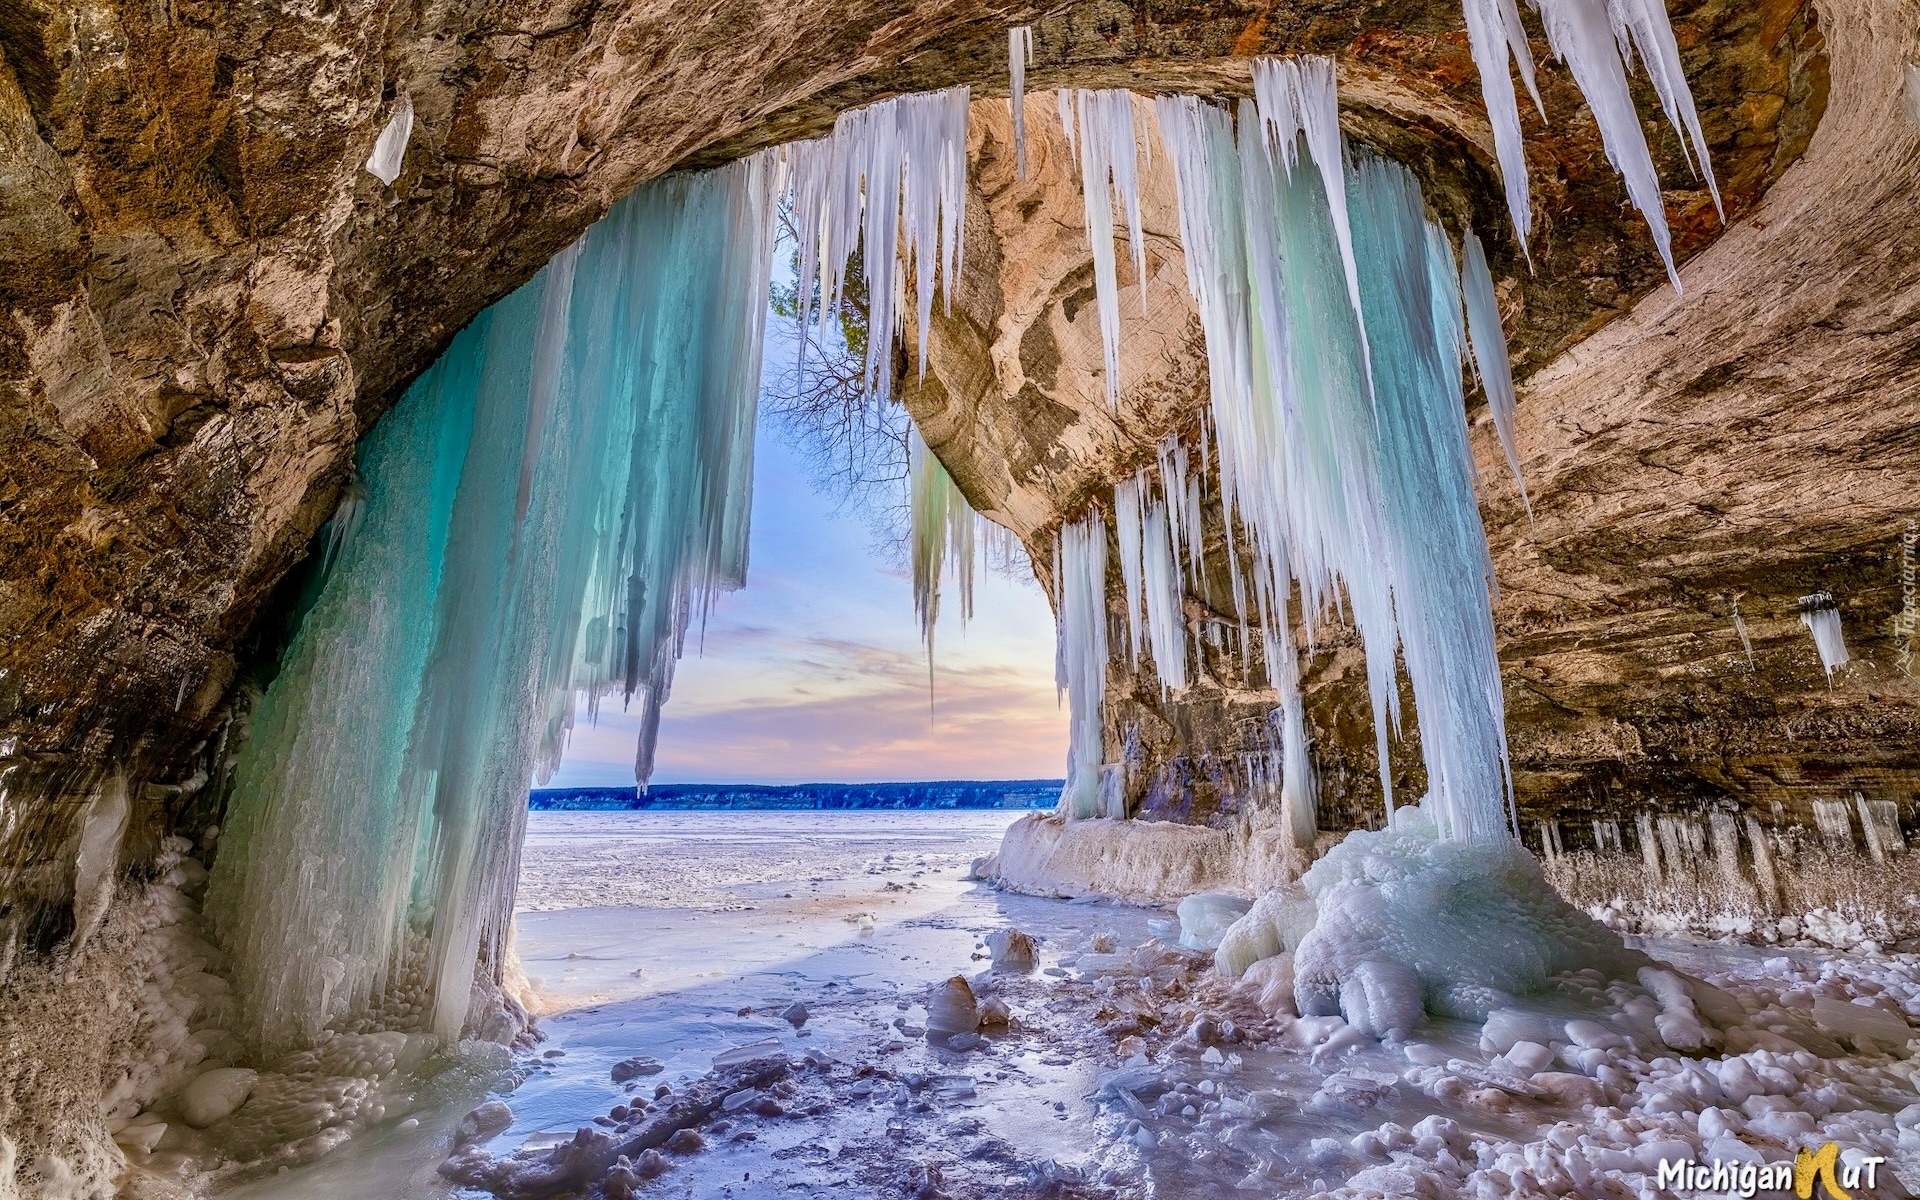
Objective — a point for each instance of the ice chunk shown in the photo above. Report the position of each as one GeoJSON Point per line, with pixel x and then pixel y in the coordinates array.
{"type": "Point", "coordinates": [214, 1095]}
{"type": "Point", "coordinates": [952, 1009]}
{"type": "Point", "coordinates": [390, 148]}
{"type": "Point", "coordinates": [1506, 1028]}
{"type": "Point", "coordinates": [1862, 1020]}
{"type": "Point", "coordinates": [1011, 949]}
{"type": "Point", "coordinates": [1205, 916]}
{"type": "Point", "coordinates": [1276, 924]}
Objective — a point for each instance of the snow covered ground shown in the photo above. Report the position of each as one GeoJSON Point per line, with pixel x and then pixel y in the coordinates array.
{"type": "Point", "coordinates": [1127, 1069]}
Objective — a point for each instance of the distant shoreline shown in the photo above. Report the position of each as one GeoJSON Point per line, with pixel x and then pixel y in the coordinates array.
{"type": "Point", "coordinates": [976, 794]}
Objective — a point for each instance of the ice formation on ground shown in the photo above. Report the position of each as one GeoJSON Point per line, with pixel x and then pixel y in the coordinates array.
{"type": "Point", "coordinates": [1138, 861]}
{"type": "Point", "coordinates": [1407, 922]}
{"type": "Point", "coordinates": [390, 148]}
{"type": "Point", "coordinates": [565, 486]}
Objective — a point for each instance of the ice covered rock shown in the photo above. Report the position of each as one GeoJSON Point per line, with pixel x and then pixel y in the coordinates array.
{"type": "Point", "coordinates": [482, 1123]}
{"type": "Point", "coordinates": [952, 1009]}
{"type": "Point", "coordinates": [795, 1014]}
{"type": "Point", "coordinates": [633, 1068]}
{"type": "Point", "coordinates": [214, 1095]}
{"type": "Point", "coordinates": [1206, 916]}
{"type": "Point", "coordinates": [1475, 923]}
{"type": "Point", "coordinates": [1011, 949]}
{"type": "Point", "coordinates": [1274, 925]}
{"type": "Point", "coordinates": [1381, 997]}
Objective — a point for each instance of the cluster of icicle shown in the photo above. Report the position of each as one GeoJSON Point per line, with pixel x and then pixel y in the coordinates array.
{"type": "Point", "coordinates": [1597, 39]}
{"type": "Point", "coordinates": [541, 518]}
{"type": "Point", "coordinates": [1336, 323]}
{"type": "Point", "coordinates": [544, 511]}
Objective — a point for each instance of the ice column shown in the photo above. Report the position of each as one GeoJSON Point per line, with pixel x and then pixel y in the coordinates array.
{"type": "Point", "coordinates": [1333, 317]}
{"type": "Point", "coordinates": [943, 534]}
{"type": "Point", "coordinates": [1080, 600]}
{"type": "Point", "coordinates": [545, 510]}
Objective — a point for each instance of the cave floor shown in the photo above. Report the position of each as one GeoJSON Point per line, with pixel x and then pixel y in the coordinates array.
{"type": "Point", "coordinates": [682, 937]}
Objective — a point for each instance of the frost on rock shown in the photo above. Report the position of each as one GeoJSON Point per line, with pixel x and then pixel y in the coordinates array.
{"type": "Point", "coordinates": [391, 147]}
{"type": "Point", "coordinates": [1407, 921]}
{"type": "Point", "coordinates": [566, 486]}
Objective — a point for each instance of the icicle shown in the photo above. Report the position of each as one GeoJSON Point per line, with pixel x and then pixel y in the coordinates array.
{"type": "Point", "coordinates": [391, 147]}
{"type": "Point", "coordinates": [1740, 629]}
{"type": "Point", "coordinates": [1165, 598]}
{"type": "Point", "coordinates": [1127, 504]}
{"type": "Point", "coordinates": [1019, 58]}
{"type": "Point", "coordinates": [1821, 616]}
{"type": "Point", "coordinates": [943, 536]}
{"type": "Point", "coordinates": [1081, 579]}
{"type": "Point", "coordinates": [1581, 33]}
{"type": "Point", "coordinates": [1334, 346]}
{"type": "Point", "coordinates": [1299, 96]}
{"type": "Point", "coordinates": [1645, 23]}
{"type": "Point", "coordinates": [1489, 341]}
{"type": "Point", "coordinates": [1495, 32]}
{"type": "Point", "coordinates": [562, 489]}
{"type": "Point", "coordinates": [1109, 169]}
{"type": "Point", "coordinates": [890, 169]}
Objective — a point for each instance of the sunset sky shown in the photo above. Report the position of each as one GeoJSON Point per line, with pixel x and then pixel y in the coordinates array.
{"type": "Point", "coordinates": [816, 673]}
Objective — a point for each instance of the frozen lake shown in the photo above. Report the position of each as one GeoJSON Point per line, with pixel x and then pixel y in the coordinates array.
{"type": "Point", "coordinates": [679, 937]}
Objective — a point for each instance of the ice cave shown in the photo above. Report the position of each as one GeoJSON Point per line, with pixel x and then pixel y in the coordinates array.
{"type": "Point", "coordinates": [1448, 471]}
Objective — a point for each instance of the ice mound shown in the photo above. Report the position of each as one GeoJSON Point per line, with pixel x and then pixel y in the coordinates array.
{"type": "Point", "coordinates": [1405, 922]}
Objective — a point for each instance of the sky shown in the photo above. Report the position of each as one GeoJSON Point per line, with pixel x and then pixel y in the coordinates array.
{"type": "Point", "coordinates": [815, 672]}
